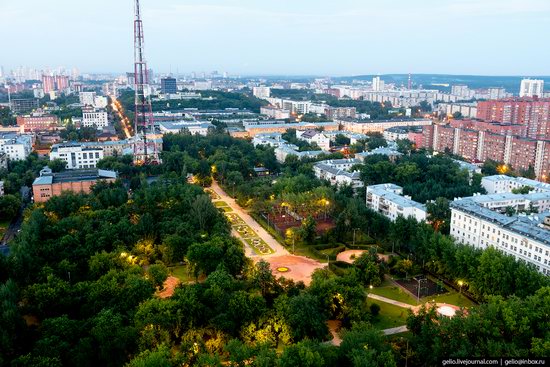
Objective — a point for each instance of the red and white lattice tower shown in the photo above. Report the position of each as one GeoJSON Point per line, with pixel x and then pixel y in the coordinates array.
{"type": "Point", "coordinates": [145, 152]}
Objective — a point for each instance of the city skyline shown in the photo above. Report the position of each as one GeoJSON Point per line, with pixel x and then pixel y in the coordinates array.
{"type": "Point", "coordinates": [248, 38]}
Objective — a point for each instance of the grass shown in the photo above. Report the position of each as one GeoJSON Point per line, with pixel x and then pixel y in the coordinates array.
{"type": "Point", "coordinates": [245, 231]}
{"type": "Point", "coordinates": [180, 272]}
{"type": "Point", "coordinates": [226, 209]}
{"type": "Point", "coordinates": [394, 292]}
{"type": "Point", "coordinates": [219, 204]}
{"type": "Point", "coordinates": [390, 316]}
{"type": "Point", "coordinates": [452, 298]}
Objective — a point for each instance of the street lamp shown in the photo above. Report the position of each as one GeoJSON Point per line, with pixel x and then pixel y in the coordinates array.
{"type": "Point", "coordinates": [355, 229]}
{"type": "Point", "coordinates": [460, 284]}
{"type": "Point", "coordinates": [418, 293]}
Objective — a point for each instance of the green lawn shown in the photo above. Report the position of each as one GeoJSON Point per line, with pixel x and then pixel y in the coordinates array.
{"type": "Point", "coordinates": [219, 204]}
{"type": "Point", "coordinates": [259, 246]}
{"type": "Point", "coordinates": [394, 292]}
{"type": "Point", "coordinates": [390, 316]}
{"type": "Point", "coordinates": [245, 231]}
{"type": "Point", "coordinates": [453, 298]}
{"type": "Point", "coordinates": [180, 272]}
{"type": "Point", "coordinates": [226, 209]}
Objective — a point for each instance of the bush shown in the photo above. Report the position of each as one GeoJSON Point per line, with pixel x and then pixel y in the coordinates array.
{"type": "Point", "coordinates": [374, 309]}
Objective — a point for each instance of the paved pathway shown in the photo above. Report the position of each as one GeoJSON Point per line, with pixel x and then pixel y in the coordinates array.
{"type": "Point", "coordinates": [392, 301]}
{"type": "Point", "coordinates": [395, 330]}
{"type": "Point", "coordinates": [262, 233]}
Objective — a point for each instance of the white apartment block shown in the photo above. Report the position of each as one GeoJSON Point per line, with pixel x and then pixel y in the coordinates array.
{"type": "Point", "coordinates": [261, 92]}
{"type": "Point", "coordinates": [498, 184]}
{"type": "Point", "coordinates": [387, 200]}
{"type": "Point", "coordinates": [193, 127]}
{"type": "Point", "coordinates": [314, 136]}
{"type": "Point", "coordinates": [377, 84]}
{"type": "Point", "coordinates": [271, 140]}
{"type": "Point", "coordinates": [294, 107]}
{"type": "Point", "coordinates": [526, 238]}
{"type": "Point", "coordinates": [285, 150]}
{"type": "Point", "coordinates": [87, 98]}
{"type": "Point", "coordinates": [337, 172]}
{"type": "Point", "coordinates": [364, 127]}
{"type": "Point", "coordinates": [76, 156]}
{"type": "Point", "coordinates": [274, 113]}
{"type": "Point", "coordinates": [15, 147]}
{"type": "Point", "coordinates": [531, 88]}
{"type": "Point", "coordinates": [94, 118]}
{"type": "Point", "coordinates": [466, 109]}
{"type": "Point", "coordinates": [100, 102]}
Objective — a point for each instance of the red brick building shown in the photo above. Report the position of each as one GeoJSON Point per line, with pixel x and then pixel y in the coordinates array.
{"type": "Point", "coordinates": [533, 113]}
{"type": "Point", "coordinates": [37, 122]}
{"type": "Point", "coordinates": [478, 145]}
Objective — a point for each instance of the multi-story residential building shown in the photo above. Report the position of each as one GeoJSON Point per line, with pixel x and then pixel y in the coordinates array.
{"type": "Point", "coordinates": [285, 150]}
{"type": "Point", "coordinates": [100, 102]}
{"type": "Point", "coordinates": [87, 98]}
{"type": "Point", "coordinates": [271, 140]}
{"type": "Point", "coordinates": [389, 152]}
{"type": "Point", "coordinates": [524, 237]}
{"type": "Point", "coordinates": [194, 127]}
{"type": "Point", "coordinates": [273, 126]}
{"type": "Point", "coordinates": [168, 85]}
{"type": "Point", "coordinates": [388, 200]}
{"type": "Point", "coordinates": [16, 147]}
{"type": "Point", "coordinates": [274, 112]}
{"type": "Point", "coordinates": [461, 91]}
{"type": "Point", "coordinates": [38, 121]}
{"type": "Point", "coordinates": [261, 92]}
{"type": "Point", "coordinates": [76, 155]}
{"type": "Point", "coordinates": [51, 184]}
{"type": "Point", "coordinates": [520, 153]}
{"type": "Point", "coordinates": [294, 107]}
{"type": "Point", "coordinates": [20, 105]}
{"type": "Point", "coordinates": [337, 172]}
{"type": "Point", "coordinates": [377, 84]}
{"type": "Point", "coordinates": [531, 88]}
{"type": "Point", "coordinates": [498, 184]}
{"type": "Point", "coordinates": [353, 137]}
{"type": "Point", "coordinates": [314, 136]}
{"type": "Point", "coordinates": [92, 117]}
{"type": "Point", "coordinates": [468, 110]}
{"type": "Point", "coordinates": [364, 127]}
{"type": "Point", "coordinates": [533, 113]}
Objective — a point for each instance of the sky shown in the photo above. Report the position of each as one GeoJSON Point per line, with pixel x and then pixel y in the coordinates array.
{"type": "Point", "coordinates": [283, 37]}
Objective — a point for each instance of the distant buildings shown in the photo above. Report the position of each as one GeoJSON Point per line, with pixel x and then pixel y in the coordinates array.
{"type": "Point", "coordinates": [499, 184]}
{"type": "Point", "coordinates": [194, 127]}
{"type": "Point", "coordinates": [54, 83]}
{"type": "Point", "coordinates": [520, 153]}
{"type": "Point", "coordinates": [337, 172]}
{"type": "Point", "coordinates": [294, 107]}
{"type": "Point", "coordinates": [51, 184]}
{"type": "Point", "coordinates": [253, 128]}
{"type": "Point", "coordinates": [478, 221]}
{"type": "Point", "coordinates": [168, 85]}
{"type": "Point", "coordinates": [363, 127]}
{"type": "Point", "coordinates": [468, 110]}
{"type": "Point", "coordinates": [285, 150]}
{"type": "Point", "coordinates": [314, 137]}
{"type": "Point", "coordinates": [274, 112]}
{"type": "Point", "coordinates": [389, 152]}
{"type": "Point", "coordinates": [3, 160]}
{"type": "Point", "coordinates": [21, 105]}
{"type": "Point", "coordinates": [261, 92]}
{"type": "Point", "coordinates": [377, 84]}
{"type": "Point", "coordinates": [92, 117]}
{"type": "Point", "coordinates": [87, 98]}
{"type": "Point", "coordinates": [38, 121]}
{"type": "Point", "coordinates": [16, 147]}
{"type": "Point", "coordinates": [531, 88]}
{"type": "Point", "coordinates": [387, 200]}
{"type": "Point", "coordinates": [402, 133]}
{"type": "Point", "coordinates": [76, 155]}
{"type": "Point", "coordinates": [533, 113]}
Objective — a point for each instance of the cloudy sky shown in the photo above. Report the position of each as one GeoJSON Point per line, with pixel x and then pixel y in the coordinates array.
{"type": "Point", "coordinates": [300, 37]}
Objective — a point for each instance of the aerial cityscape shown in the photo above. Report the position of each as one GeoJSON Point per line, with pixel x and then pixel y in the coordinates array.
{"type": "Point", "coordinates": [223, 183]}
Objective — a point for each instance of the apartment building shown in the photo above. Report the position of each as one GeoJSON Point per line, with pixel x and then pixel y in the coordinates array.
{"type": "Point", "coordinates": [338, 172]}
{"type": "Point", "coordinates": [314, 137]}
{"type": "Point", "coordinates": [524, 237]}
{"type": "Point", "coordinates": [388, 200]}
{"type": "Point", "coordinates": [498, 184]}
{"type": "Point", "coordinates": [15, 147]}
{"type": "Point", "coordinates": [92, 117]}
{"type": "Point", "coordinates": [76, 155]}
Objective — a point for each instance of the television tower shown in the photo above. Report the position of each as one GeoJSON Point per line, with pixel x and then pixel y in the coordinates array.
{"type": "Point", "coordinates": [144, 152]}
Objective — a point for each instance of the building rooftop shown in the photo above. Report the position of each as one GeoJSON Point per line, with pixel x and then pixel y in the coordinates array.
{"type": "Point", "coordinates": [541, 186]}
{"type": "Point", "coordinates": [520, 224]}
{"type": "Point", "coordinates": [381, 150]}
{"type": "Point", "coordinates": [48, 178]}
{"type": "Point", "coordinates": [386, 191]}
{"type": "Point", "coordinates": [338, 171]}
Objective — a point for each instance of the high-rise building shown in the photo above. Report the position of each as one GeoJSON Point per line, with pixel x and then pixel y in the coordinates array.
{"type": "Point", "coordinates": [87, 98]}
{"type": "Point", "coordinates": [94, 118]}
{"type": "Point", "coordinates": [533, 113]}
{"type": "Point", "coordinates": [531, 88]}
{"type": "Point", "coordinates": [377, 84]}
{"type": "Point", "coordinates": [48, 83]}
{"type": "Point", "coordinates": [261, 92]}
{"type": "Point", "coordinates": [168, 85]}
